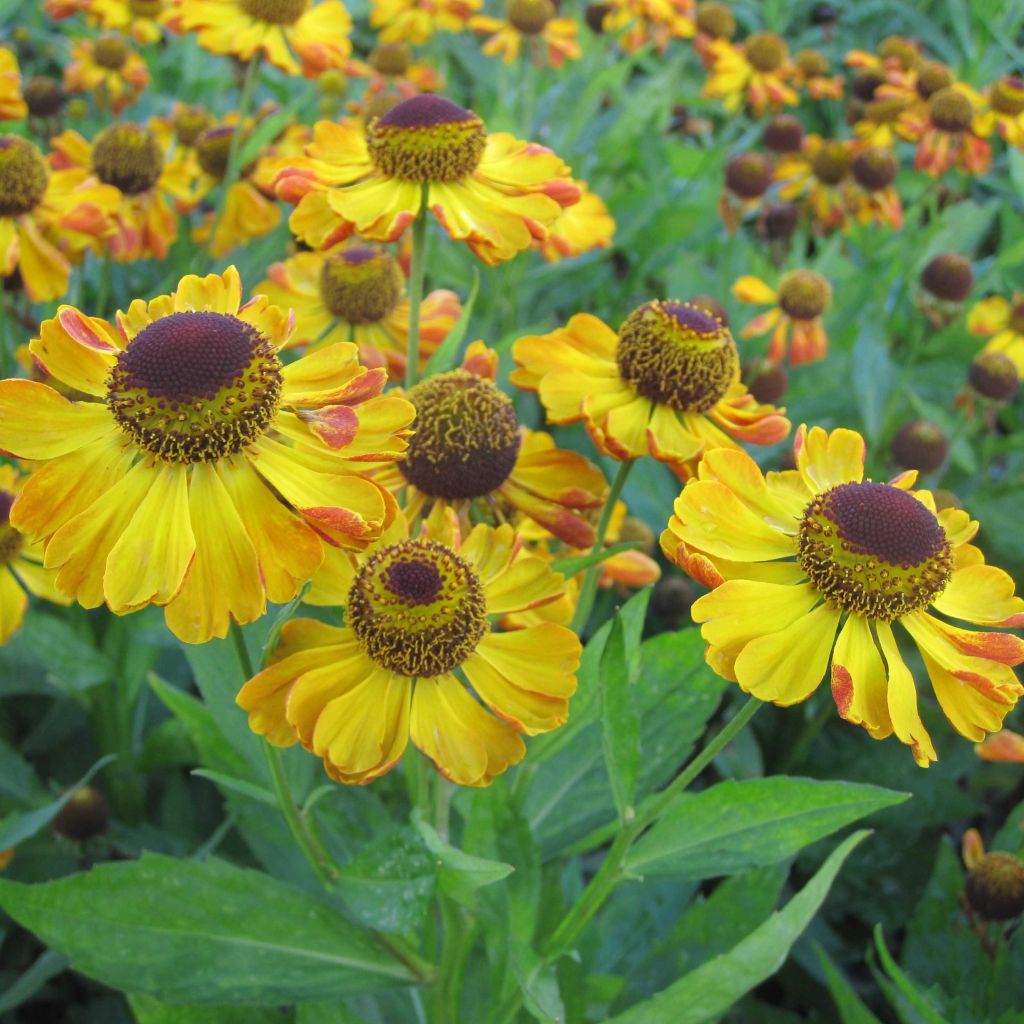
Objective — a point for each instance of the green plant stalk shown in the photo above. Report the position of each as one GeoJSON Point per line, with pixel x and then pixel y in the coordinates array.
{"type": "Point", "coordinates": [231, 172]}
{"type": "Point", "coordinates": [416, 275]}
{"type": "Point", "coordinates": [612, 869]}
{"type": "Point", "coordinates": [588, 589]}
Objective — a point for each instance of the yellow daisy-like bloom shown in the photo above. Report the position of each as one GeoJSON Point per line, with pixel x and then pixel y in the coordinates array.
{"type": "Point", "coordinates": [655, 21]}
{"type": "Point", "coordinates": [1003, 319]}
{"type": "Point", "coordinates": [108, 68]}
{"type": "Point", "coordinates": [491, 191]}
{"type": "Point", "coordinates": [812, 73]}
{"type": "Point", "coordinates": [667, 384]}
{"type": "Point", "coordinates": [580, 228]}
{"type": "Point", "coordinates": [531, 23]}
{"type": "Point", "coordinates": [143, 20]}
{"type": "Point", "coordinates": [12, 103]}
{"type": "Point", "coordinates": [297, 36]}
{"type": "Point", "coordinates": [755, 72]}
{"type": "Point", "coordinates": [415, 21]}
{"type": "Point", "coordinates": [470, 453]}
{"type": "Point", "coordinates": [200, 473]}
{"type": "Point", "coordinates": [357, 294]}
{"type": "Point", "coordinates": [877, 123]}
{"type": "Point", "coordinates": [391, 69]}
{"type": "Point", "coordinates": [418, 613]}
{"type": "Point", "coordinates": [129, 157]}
{"type": "Point", "coordinates": [950, 130]}
{"type": "Point", "coordinates": [821, 171]}
{"type": "Point", "coordinates": [1006, 103]}
{"type": "Point", "coordinates": [20, 564]}
{"type": "Point", "coordinates": [801, 299]}
{"type": "Point", "coordinates": [47, 218]}
{"type": "Point", "coordinates": [797, 557]}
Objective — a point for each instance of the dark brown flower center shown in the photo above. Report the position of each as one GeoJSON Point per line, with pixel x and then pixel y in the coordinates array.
{"type": "Point", "coordinates": [949, 277]}
{"type": "Point", "coordinates": [43, 96]}
{"type": "Point", "coordinates": [390, 60]}
{"type": "Point", "coordinates": [194, 387]}
{"type": "Point", "coordinates": [23, 176]}
{"type": "Point", "coordinates": [530, 16]}
{"type": "Point", "coordinates": [466, 440]}
{"type": "Point", "coordinates": [951, 110]}
{"type": "Point", "coordinates": [360, 285]}
{"type": "Point", "coordinates": [748, 175]}
{"type": "Point", "coordinates": [716, 20]}
{"type": "Point", "coordinates": [875, 168]}
{"type": "Point", "coordinates": [417, 608]}
{"type": "Point", "coordinates": [110, 52]}
{"type": "Point", "coordinates": [190, 123]}
{"type": "Point", "coordinates": [128, 157]}
{"type": "Point", "coordinates": [831, 162]}
{"type": "Point", "coordinates": [275, 12]}
{"type": "Point", "coordinates": [873, 549]}
{"type": "Point", "coordinates": [932, 76]}
{"type": "Point", "coordinates": [766, 51]}
{"type": "Point", "coordinates": [1007, 96]}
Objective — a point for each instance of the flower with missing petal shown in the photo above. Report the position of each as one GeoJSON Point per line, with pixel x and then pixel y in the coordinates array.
{"type": "Point", "coordinates": [357, 293]}
{"type": "Point", "coordinates": [297, 36]}
{"type": "Point", "coordinates": [801, 299]}
{"type": "Point", "coordinates": [797, 557]}
{"type": "Point", "coordinates": [490, 190]}
{"type": "Point", "coordinates": [198, 472]}
{"type": "Point", "coordinates": [667, 384]}
{"type": "Point", "coordinates": [419, 658]}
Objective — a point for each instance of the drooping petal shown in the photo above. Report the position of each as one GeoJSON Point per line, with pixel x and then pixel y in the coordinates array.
{"type": "Point", "coordinates": [859, 685]}
{"type": "Point", "coordinates": [902, 699]}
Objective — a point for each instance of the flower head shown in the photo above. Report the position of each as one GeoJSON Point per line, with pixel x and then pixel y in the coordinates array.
{"type": "Point", "coordinates": [143, 20]}
{"type": "Point", "coordinates": [580, 228]}
{"type": "Point", "coordinates": [797, 557]}
{"type": "Point", "coordinates": [649, 21]}
{"type": "Point", "coordinates": [666, 384]}
{"type": "Point", "coordinates": [416, 21]}
{"type": "Point", "coordinates": [528, 20]}
{"type": "Point", "coordinates": [950, 130]}
{"type": "Point", "coordinates": [1006, 102]}
{"type": "Point", "coordinates": [199, 472]}
{"type": "Point", "coordinates": [490, 190]}
{"type": "Point", "coordinates": [418, 610]}
{"type": "Point", "coordinates": [109, 68]}
{"type": "Point", "coordinates": [755, 72]}
{"type": "Point", "coordinates": [799, 302]}
{"type": "Point", "coordinates": [1002, 321]}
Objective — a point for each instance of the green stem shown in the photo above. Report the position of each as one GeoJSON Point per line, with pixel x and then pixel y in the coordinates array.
{"type": "Point", "coordinates": [416, 274]}
{"type": "Point", "coordinates": [588, 588]}
{"type": "Point", "coordinates": [612, 869]}
{"type": "Point", "coordinates": [231, 172]}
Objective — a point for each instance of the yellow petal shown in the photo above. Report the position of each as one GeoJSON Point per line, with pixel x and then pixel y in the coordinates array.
{"type": "Point", "coordinates": [752, 289]}
{"type": "Point", "coordinates": [38, 423]}
{"type": "Point", "coordinates": [858, 679]}
{"type": "Point", "coordinates": [902, 699]}
{"type": "Point", "coordinates": [826, 459]}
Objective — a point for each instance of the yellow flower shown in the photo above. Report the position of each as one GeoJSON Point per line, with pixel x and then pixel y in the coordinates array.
{"type": "Point", "coordinates": [20, 563]}
{"type": "Point", "coordinates": [143, 20]}
{"type": "Point", "coordinates": [797, 557]}
{"type": "Point", "coordinates": [391, 69]}
{"type": "Point", "coordinates": [418, 629]}
{"type": "Point", "coordinates": [580, 228]}
{"type": "Point", "coordinates": [755, 72]}
{"type": "Point", "coordinates": [527, 21]}
{"type": "Point", "coordinates": [949, 130]}
{"type": "Point", "coordinates": [296, 36]}
{"type": "Point", "coordinates": [491, 191]}
{"type": "Point", "coordinates": [12, 103]}
{"type": "Point", "coordinates": [109, 68]}
{"type": "Point", "coordinates": [654, 21]}
{"type": "Point", "coordinates": [47, 217]}
{"type": "Point", "coordinates": [199, 473]}
{"type": "Point", "coordinates": [1003, 319]}
{"type": "Point", "coordinates": [667, 384]}
{"type": "Point", "coordinates": [357, 294]}
{"type": "Point", "coordinates": [1006, 102]}
{"type": "Point", "coordinates": [802, 297]}
{"type": "Point", "coordinates": [822, 172]}
{"type": "Point", "coordinates": [415, 21]}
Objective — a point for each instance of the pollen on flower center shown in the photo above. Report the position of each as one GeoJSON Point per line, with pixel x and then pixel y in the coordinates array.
{"type": "Point", "coordinates": [466, 440]}
{"type": "Point", "coordinates": [677, 354]}
{"type": "Point", "coordinates": [950, 110]}
{"type": "Point", "coordinates": [275, 12]}
{"type": "Point", "coordinates": [189, 123]}
{"type": "Point", "coordinates": [361, 285]}
{"type": "Point", "coordinates": [427, 138]}
{"type": "Point", "coordinates": [111, 52]}
{"type": "Point", "coordinates": [128, 157]}
{"type": "Point", "coordinates": [804, 294]}
{"type": "Point", "coordinates": [766, 51]}
{"type": "Point", "coordinates": [213, 147]}
{"type": "Point", "coordinates": [1007, 95]}
{"type": "Point", "coordinates": [389, 59]}
{"type": "Point", "coordinates": [194, 387]}
{"type": "Point", "coordinates": [11, 540]}
{"type": "Point", "coordinates": [873, 549]}
{"type": "Point", "coordinates": [832, 162]}
{"type": "Point", "coordinates": [23, 176]}
{"type": "Point", "coordinates": [530, 16]}
{"type": "Point", "coordinates": [146, 8]}
{"type": "Point", "coordinates": [417, 608]}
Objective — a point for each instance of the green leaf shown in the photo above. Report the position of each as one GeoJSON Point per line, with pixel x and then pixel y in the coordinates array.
{"type": "Point", "coordinates": [71, 662]}
{"type": "Point", "coordinates": [16, 828]}
{"type": "Point", "coordinates": [849, 1005]}
{"type": "Point", "coordinates": [904, 985]}
{"type": "Point", "coordinates": [246, 938]}
{"type": "Point", "coordinates": [446, 355]}
{"type": "Point", "coordinates": [269, 128]}
{"type": "Point", "coordinates": [577, 563]}
{"type": "Point", "coordinates": [148, 1010]}
{"type": "Point", "coordinates": [18, 779]}
{"type": "Point", "coordinates": [707, 992]}
{"type": "Point", "coordinates": [461, 873]}
{"type": "Point", "coordinates": [872, 376]}
{"type": "Point", "coordinates": [258, 793]}
{"type": "Point", "coordinates": [737, 825]}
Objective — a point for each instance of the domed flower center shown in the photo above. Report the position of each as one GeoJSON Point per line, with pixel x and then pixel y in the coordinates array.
{"type": "Point", "coordinates": [1007, 96]}
{"type": "Point", "coordinates": [146, 8]}
{"type": "Point", "coordinates": [885, 111]}
{"type": "Point", "coordinates": [766, 51]}
{"type": "Point", "coordinates": [190, 123]}
{"type": "Point", "coordinates": [23, 176]}
{"type": "Point", "coordinates": [813, 63]}
{"type": "Point", "coordinates": [899, 51]}
{"type": "Point", "coordinates": [213, 145]}
{"type": "Point", "coordinates": [11, 541]}
{"type": "Point", "coordinates": [128, 157]}
{"type": "Point", "coordinates": [678, 355]}
{"type": "Point", "coordinates": [43, 96]}
{"type": "Point", "coordinates": [951, 110]}
{"type": "Point", "coordinates": [748, 175]}
{"type": "Point", "coordinates": [110, 52]}
{"type": "Point", "coordinates": [831, 163]}
{"type": "Point", "coordinates": [417, 608]}
{"type": "Point", "coordinates": [932, 76]}
{"type": "Point", "coordinates": [948, 277]}
{"type": "Point", "coordinates": [390, 60]}
{"type": "Point", "coordinates": [784, 134]}
{"type": "Point", "coordinates": [804, 294]}
{"type": "Point", "coordinates": [716, 20]}
{"type": "Point", "coordinates": [530, 16]}
{"type": "Point", "coordinates": [361, 285]}
{"type": "Point", "coordinates": [873, 549]}
{"type": "Point", "coordinates": [1017, 317]}
{"type": "Point", "coordinates": [194, 387]}
{"type": "Point", "coordinates": [275, 12]}
{"type": "Point", "coordinates": [466, 440]}
{"type": "Point", "coordinates": [875, 168]}
{"type": "Point", "coordinates": [427, 139]}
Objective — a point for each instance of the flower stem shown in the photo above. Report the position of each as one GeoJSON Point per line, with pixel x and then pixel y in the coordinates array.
{"type": "Point", "coordinates": [231, 172]}
{"type": "Point", "coordinates": [588, 588]}
{"type": "Point", "coordinates": [612, 869]}
{"type": "Point", "coordinates": [419, 266]}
